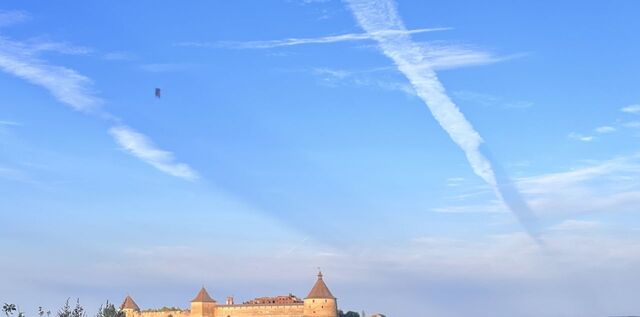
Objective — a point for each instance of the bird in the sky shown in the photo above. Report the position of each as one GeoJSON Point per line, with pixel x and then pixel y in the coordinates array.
{"type": "Point", "coordinates": [157, 92]}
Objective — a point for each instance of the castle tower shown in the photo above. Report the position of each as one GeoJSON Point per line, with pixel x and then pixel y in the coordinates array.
{"type": "Point", "coordinates": [320, 302]}
{"type": "Point", "coordinates": [129, 307]}
{"type": "Point", "coordinates": [202, 305]}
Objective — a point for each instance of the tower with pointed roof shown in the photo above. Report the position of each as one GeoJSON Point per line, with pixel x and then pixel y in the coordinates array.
{"type": "Point", "coordinates": [129, 306]}
{"type": "Point", "coordinates": [203, 305]}
{"type": "Point", "coordinates": [320, 302]}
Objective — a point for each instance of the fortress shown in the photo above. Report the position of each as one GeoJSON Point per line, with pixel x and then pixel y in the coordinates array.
{"type": "Point", "coordinates": [319, 303]}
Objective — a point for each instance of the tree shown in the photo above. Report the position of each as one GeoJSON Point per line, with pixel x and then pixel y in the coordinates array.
{"type": "Point", "coordinates": [110, 310]}
{"type": "Point", "coordinates": [348, 314]}
{"type": "Point", "coordinates": [77, 311]}
{"type": "Point", "coordinates": [8, 309]}
{"type": "Point", "coordinates": [65, 311]}
{"type": "Point", "coordinates": [40, 311]}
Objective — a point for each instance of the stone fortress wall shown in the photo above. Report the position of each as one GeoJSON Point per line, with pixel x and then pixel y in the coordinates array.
{"type": "Point", "coordinates": [319, 303]}
{"type": "Point", "coordinates": [276, 310]}
{"type": "Point", "coordinates": [164, 313]}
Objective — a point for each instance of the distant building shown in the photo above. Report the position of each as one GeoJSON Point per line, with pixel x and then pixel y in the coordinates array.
{"type": "Point", "coordinates": [319, 303]}
{"type": "Point", "coordinates": [290, 299]}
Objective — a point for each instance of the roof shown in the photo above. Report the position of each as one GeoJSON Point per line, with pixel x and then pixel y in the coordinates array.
{"type": "Point", "coordinates": [203, 297]}
{"type": "Point", "coordinates": [320, 289]}
{"type": "Point", "coordinates": [129, 303]}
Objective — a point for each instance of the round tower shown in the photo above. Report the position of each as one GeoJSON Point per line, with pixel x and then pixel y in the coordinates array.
{"type": "Point", "coordinates": [320, 302]}
{"type": "Point", "coordinates": [203, 305]}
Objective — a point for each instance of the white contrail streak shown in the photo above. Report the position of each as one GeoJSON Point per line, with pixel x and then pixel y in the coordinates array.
{"type": "Point", "coordinates": [409, 57]}
{"type": "Point", "coordinates": [302, 41]}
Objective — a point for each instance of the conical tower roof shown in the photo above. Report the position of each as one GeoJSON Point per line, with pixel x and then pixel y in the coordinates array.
{"type": "Point", "coordinates": [129, 303]}
{"type": "Point", "coordinates": [320, 289]}
{"type": "Point", "coordinates": [203, 297]}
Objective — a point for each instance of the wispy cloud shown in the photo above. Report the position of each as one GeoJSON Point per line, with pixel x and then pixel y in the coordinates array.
{"type": "Point", "coordinates": [573, 225]}
{"type": "Point", "coordinates": [367, 78]}
{"type": "Point", "coordinates": [455, 181]}
{"type": "Point", "coordinates": [410, 58]}
{"type": "Point", "coordinates": [66, 85]}
{"type": "Point", "coordinates": [496, 207]}
{"type": "Point", "coordinates": [448, 56]}
{"type": "Point", "coordinates": [74, 90]}
{"type": "Point", "coordinates": [12, 174]}
{"type": "Point", "coordinates": [601, 187]}
{"type": "Point", "coordinates": [9, 123]}
{"type": "Point", "coordinates": [631, 124]}
{"type": "Point", "coordinates": [631, 109]}
{"type": "Point", "coordinates": [580, 137]}
{"type": "Point", "coordinates": [310, 1]}
{"type": "Point", "coordinates": [349, 37]}
{"type": "Point", "coordinates": [17, 175]}
{"type": "Point", "coordinates": [607, 186]}
{"type": "Point", "coordinates": [605, 129]}
{"type": "Point", "coordinates": [12, 17]}
{"type": "Point", "coordinates": [165, 67]}
{"type": "Point", "coordinates": [46, 45]}
{"type": "Point", "coordinates": [489, 100]}
{"type": "Point", "coordinates": [385, 78]}
{"type": "Point", "coordinates": [141, 147]}
{"type": "Point", "coordinates": [118, 56]}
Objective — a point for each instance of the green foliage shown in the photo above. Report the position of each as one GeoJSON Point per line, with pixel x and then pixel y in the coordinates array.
{"type": "Point", "coordinates": [77, 311]}
{"type": "Point", "coordinates": [8, 309]}
{"type": "Point", "coordinates": [348, 314]}
{"type": "Point", "coordinates": [109, 310]}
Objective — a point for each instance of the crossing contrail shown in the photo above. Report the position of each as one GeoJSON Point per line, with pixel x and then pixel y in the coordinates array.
{"type": "Point", "coordinates": [378, 15]}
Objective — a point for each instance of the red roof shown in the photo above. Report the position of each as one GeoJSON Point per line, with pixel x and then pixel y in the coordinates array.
{"type": "Point", "coordinates": [203, 297]}
{"type": "Point", "coordinates": [129, 303]}
{"type": "Point", "coordinates": [320, 289]}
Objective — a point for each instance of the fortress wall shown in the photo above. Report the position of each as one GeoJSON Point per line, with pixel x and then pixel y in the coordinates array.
{"type": "Point", "coordinates": [291, 310]}
{"type": "Point", "coordinates": [173, 313]}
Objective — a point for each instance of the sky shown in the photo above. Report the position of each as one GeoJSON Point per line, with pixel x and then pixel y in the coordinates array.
{"type": "Point", "coordinates": [433, 158]}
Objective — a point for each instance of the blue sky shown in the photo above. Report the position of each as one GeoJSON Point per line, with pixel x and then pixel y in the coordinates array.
{"type": "Point", "coordinates": [364, 137]}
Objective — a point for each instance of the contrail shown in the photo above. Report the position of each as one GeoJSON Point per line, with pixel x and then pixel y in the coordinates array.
{"type": "Point", "coordinates": [303, 41]}
{"type": "Point", "coordinates": [376, 16]}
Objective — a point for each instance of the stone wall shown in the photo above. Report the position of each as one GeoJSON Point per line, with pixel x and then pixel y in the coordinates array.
{"type": "Point", "coordinates": [288, 310]}
{"type": "Point", "coordinates": [173, 313]}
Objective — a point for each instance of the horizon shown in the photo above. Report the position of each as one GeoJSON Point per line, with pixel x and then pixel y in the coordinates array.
{"type": "Point", "coordinates": [423, 154]}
